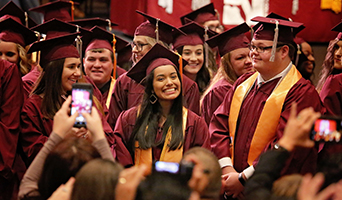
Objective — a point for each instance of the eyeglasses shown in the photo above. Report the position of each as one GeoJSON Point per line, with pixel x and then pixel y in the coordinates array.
{"type": "Point", "coordinates": [215, 28]}
{"type": "Point", "coordinates": [138, 46]}
{"type": "Point", "coordinates": [261, 49]}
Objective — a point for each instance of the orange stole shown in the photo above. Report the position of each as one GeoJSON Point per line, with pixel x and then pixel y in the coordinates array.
{"type": "Point", "coordinates": [144, 156]}
{"type": "Point", "coordinates": [111, 88]}
{"type": "Point", "coordinates": [269, 118]}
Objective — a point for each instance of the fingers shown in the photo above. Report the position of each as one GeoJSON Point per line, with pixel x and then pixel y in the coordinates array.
{"type": "Point", "coordinates": [293, 112]}
{"type": "Point", "coordinates": [66, 104]}
{"type": "Point", "coordinates": [70, 182]}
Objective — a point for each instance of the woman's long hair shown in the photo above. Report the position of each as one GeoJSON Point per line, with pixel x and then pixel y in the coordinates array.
{"type": "Point", "coordinates": [203, 75]}
{"type": "Point", "coordinates": [49, 85]}
{"type": "Point", "coordinates": [328, 63]}
{"type": "Point", "coordinates": [149, 116]}
{"type": "Point", "coordinates": [225, 71]}
{"type": "Point", "coordinates": [24, 62]}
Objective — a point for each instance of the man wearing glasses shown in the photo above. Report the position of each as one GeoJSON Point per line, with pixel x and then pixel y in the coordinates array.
{"type": "Point", "coordinates": [253, 115]}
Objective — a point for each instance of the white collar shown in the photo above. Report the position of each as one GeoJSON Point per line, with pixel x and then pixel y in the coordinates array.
{"type": "Point", "coordinates": [281, 75]}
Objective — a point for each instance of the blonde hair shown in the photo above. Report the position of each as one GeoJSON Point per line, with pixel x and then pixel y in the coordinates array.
{"type": "Point", "coordinates": [23, 62]}
{"type": "Point", "coordinates": [151, 41]}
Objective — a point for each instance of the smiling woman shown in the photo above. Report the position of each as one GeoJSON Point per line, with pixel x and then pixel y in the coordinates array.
{"type": "Point", "coordinates": [160, 128]}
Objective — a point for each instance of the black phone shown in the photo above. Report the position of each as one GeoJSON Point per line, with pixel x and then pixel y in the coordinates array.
{"type": "Point", "coordinates": [182, 169]}
{"type": "Point", "coordinates": [82, 101]}
{"type": "Point", "coordinates": [327, 129]}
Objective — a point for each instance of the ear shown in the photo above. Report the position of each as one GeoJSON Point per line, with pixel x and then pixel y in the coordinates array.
{"type": "Point", "coordinates": [285, 50]}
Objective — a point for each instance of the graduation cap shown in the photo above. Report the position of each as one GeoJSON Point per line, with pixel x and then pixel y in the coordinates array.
{"type": "Point", "coordinates": [58, 9]}
{"type": "Point", "coordinates": [201, 15]}
{"type": "Point", "coordinates": [56, 28]}
{"type": "Point", "coordinates": [89, 23]}
{"type": "Point", "coordinates": [12, 10]}
{"type": "Point", "coordinates": [276, 30]}
{"type": "Point", "coordinates": [56, 48]}
{"type": "Point", "coordinates": [231, 39]}
{"type": "Point", "coordinates": [157, 56]}
{"type": "Point", "coordinates": [12, 31]}
{"type": "Point", "coordinates": [338, 28]}
{"type": "Point", "coordinates": [156, 28]}
{"type": "Point", "coordinates": [195, 35]}
{"type": "Point", "coordinates": [124, 55]}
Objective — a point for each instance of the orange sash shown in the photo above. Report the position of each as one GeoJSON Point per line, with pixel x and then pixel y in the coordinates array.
{"type": "Point", "coordinates": [111, 88]}
{"type": "Point", "coordinates": [269, 118]}
{"type": "Point", "coordinates": [143, 156]}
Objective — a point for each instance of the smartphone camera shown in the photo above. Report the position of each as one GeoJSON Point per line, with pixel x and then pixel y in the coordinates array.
{"type": "Point", "coordinates": [183, 169]}
{"type": "Point", "coordinates": [327, 129]}
{"type": "Point", "coordinates": [82, 101]}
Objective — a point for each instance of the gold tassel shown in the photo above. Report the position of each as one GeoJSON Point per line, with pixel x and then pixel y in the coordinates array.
{"type": "Point", "coordinates": [157, 30]}
{"type": "Point", "coordinates": [180, 63]}
{"type": "Point", "coordinates": [109, 25]}
{"type": "Point", "coordinates": [275, 41]}
{"type": "Point", "coordinates": [26, 20]}
{"type": "Point", "coordinates": [79, 49]}
{"type": "Point", "coordinates": [297, 56]}
{"type": "Point", "coordinates": [72, 10]}
{"type": "Point", "coordinates": [114, 67]}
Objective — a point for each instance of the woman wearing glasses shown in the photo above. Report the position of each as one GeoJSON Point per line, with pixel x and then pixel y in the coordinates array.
{"type": "Point", "coordinates": [235, 61]}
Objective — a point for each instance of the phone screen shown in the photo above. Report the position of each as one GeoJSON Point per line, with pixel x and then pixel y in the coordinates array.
{"type": "Point", "coordinates": [170, 167]}
{"type": "Point", "coordinates": [81, 102]}
{"type": "Point", "coordinates": [327, 130]}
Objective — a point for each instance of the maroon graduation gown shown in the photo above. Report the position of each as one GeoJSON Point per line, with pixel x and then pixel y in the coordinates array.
{"type": "Point", "coordinates": [213, 99]}
{"type": "Point", "coordinates": [11, 100]}
{"type": "Point", "coordinates": [303, 92]}
{"type": "Point", "coordinates": [196, 134]}
{"type": "Point", "coordinates": [128, 93]}
{"type": "Point", "coordinates": [29, 80]}
{"type": "Point", "coordinates": [331, 96]}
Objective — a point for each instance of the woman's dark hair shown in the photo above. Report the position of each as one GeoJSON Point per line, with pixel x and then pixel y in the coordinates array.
{"type": "Point", "coordinates": [327, 66]}
{"type": "Point", "coordinates": [96, 180]}
{"type": "Point", "coordinates": [203, 75]}
{"type": "Point", "coordinates": [63, 162]}
{"type": "Point", "coordinates": [149, 115]}
{"type": "Point", "coordinates": [49, 85]}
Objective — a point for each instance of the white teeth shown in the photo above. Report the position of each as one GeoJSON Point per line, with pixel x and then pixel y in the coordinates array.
{"type": "Point", "coordinates": [170, 90]}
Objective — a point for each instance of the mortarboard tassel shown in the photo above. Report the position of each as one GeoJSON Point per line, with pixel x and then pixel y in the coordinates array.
{"type": "Point", "coordinates": [157, 30]}
{"type": "Point", "coordinates": [109, 25]}
{"type": "Point", "coordinates": [114, 67]}
{"type": "Point", "coordinates": [297, 55]}
{"type": "Point", "coordinates": [180, 63]}
{"type": "Point", "coordinates": [275, 41]}
{"type": "Point", "coordinates": [72, 10]}
{"type": "Point", "coordinates": [206, 37]}
{"type": "Point", "coordinates": [36, 55]}
{"type": "Point", "coordinates": [26, 20]}
{"type": "Point", "coordinates": [79, 44]}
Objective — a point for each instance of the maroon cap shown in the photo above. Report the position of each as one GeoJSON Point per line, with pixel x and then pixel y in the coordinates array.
{"type": "Point", "coordinates": [56, 28]}
{"type": "Point", "coordinates": [56, 48]}
{"type": "Point", "coordinates": [338, 28]}
{"type": "Point", "coordinates": [98, 38]}
{"type": "Point", "coordinates": [165, 30]}
{"type": "Point", "coordinates": [157, 56]}
{"type": "Point", "coordinates": [89, 23]}
{"type": "Point", "coordinates": [11, 9]}
{"type": "Point", "coordinates": [12, 31]}
{"type": "Point", "coordinates": [59, 9]}
{"type": "Point", "coordinates": [201, 15]}
{"type": "Point", "coordinates": [194, 35]}
{"type": "Point", "coordinates": [298, 40]}
{"type": "Point", "coordinates": [231, 39]}
{"type": "Point", "coordinates": [124, 55]}
{"type": "Point", "coordinates": [266, 30]}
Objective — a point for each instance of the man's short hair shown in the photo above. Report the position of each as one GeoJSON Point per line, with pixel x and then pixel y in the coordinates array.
{"type": "Point", "coordinates": [100, 50]}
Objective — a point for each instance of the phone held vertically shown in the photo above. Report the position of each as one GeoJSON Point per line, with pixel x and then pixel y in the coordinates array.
{"type": "Point", "coordinates": [327, 129]}
{"type": "Point", "coordinates": [82, 101]}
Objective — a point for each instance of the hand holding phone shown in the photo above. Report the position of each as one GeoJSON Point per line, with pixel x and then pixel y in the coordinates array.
{"type": "Point", "coordinates": [327, 129]}
{"type": "Point", "coordinates": [82, 101]}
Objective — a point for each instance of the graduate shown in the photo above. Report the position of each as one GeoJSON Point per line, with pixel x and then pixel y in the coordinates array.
{"type": "Point", "coordinates": [127, 92]}
{"type": "Point", "coordinates": [15, 35]}
{"type": "Point", "coordinates": [193, 49]}
{"type": "Point", "coordinates": [253, 114]}
{"type": "Point", "coordinates": [160, 128]}
{"type": "Point", "coordinates": [206, 16]}
{"type": "Point", "coordinates": [235, 61]}
{"type": "Point", "coordinates": [330, 84]}
{"type": "Point", "coordinates": [99, 61]}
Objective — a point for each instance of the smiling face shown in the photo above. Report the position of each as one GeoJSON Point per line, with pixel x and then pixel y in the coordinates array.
{"type": "Point", "coordinates": [71, 73]}
{"type": "Point", "coordinates": [338, 55]}
{"type": "Point", "coordinates": [98, 66]}
{"type": "Point", "coordinates": [166, 83]}
{"type": "Point", "coordinates": [194, 55]}
{"type": "Point", "coordinates": [9, 52]}
{"type": "Point", "coordinates": [241, 62]}
{"type": "Point", "coordinates": [140, 40]}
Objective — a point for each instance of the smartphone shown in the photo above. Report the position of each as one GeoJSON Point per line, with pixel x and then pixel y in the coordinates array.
{"type": "Point", "coordinates": [183, 169]}
{"type": "Point", "coordinates": [82, 101]}
{"type": "Point", "coordinates": [327, 129]}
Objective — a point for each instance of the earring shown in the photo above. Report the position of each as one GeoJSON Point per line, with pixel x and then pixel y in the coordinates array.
{"type": "Point", "coordinates": [153, 98]}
